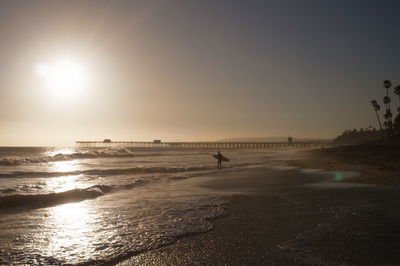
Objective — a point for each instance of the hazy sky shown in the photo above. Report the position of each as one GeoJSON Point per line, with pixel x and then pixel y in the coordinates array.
{"type": "Point", "coordinates": [195, 70]}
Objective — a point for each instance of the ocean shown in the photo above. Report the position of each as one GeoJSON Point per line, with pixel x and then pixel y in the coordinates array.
{"type": "Point", "coordinates": [98, 205]}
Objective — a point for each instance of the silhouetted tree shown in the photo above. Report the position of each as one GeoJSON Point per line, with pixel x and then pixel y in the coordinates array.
{"type": "Point", "coordinates": [387, 84]}
{"type": "Point", "coordinates": [396, 126]}
{"type": "Point", "coordinates": [388, 114]}
{"type": "Point", "coordinates": [397, 91]}
{"type": "Point", "coordinates": [377, 108]}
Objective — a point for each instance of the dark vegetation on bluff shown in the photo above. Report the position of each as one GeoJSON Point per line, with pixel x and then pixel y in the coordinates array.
{"type": "Point", "coordinates": [388, 131]}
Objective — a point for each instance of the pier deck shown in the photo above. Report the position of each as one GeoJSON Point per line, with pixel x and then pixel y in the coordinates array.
{"type": "Point", "coordinates": [200, 144]}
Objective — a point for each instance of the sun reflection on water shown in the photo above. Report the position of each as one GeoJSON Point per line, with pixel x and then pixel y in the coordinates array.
{"type": "Point", "coordinates": [65, 183]}
{"type": "Point", "coordinates": [64, 166]}
{"type": "Point", "coordinates": [73, 226]}
{"type": "Point", "coordinates": [62, 151]}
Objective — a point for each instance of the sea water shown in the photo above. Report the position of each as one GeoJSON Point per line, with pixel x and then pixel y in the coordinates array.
{"type": "Point", "coordinates": [88, 205]}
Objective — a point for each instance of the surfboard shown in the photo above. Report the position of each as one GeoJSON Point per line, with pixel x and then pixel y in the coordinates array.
{"type": "Point", "coordinates": [224, 159]}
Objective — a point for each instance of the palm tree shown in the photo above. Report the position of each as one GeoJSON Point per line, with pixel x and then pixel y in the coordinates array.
{"type": "Point", "coordinates": [397, 91]}
{"type": "Point", "coordinates": [377, 108]}
{"type": "Point", "coordinates": [387, 84]}
{"type": "Point", "coordinates": [388, 116]}
{"type": "Point", "coordinates": [386, 100]}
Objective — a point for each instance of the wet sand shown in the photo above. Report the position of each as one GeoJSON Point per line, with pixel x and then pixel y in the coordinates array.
{"type": "Point", "coordinates": [376, 163]}
{"type": "Point", "coordinates": [292, 218]}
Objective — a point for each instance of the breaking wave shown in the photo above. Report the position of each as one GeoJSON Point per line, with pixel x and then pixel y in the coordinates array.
{"type": "Point", "coordinates": [51, 199]}
{"type": "Point", "coordinates": [102, 172]}
{"type": "Point", "coordinates": [104, 153]}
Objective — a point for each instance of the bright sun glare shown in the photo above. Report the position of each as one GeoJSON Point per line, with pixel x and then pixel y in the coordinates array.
{"type": "Point", "coordinates": [64, 78]}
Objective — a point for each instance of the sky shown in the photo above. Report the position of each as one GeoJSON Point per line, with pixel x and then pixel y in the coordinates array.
{"type": "Point", "coordinates": [193, 69]}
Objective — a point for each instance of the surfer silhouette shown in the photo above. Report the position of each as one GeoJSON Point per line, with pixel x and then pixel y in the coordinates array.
{"type": "Point", "coordinates": [219, 158]}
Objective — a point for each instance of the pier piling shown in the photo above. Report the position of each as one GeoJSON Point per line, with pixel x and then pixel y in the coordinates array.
{"type": "Point", "coordinates": [201, 144]}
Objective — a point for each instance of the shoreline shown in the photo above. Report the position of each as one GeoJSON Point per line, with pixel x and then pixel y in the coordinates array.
{"type": "Point", "coordinates": [243, 236]}
{"type": "Point", "coordinates": [232, 241]}
{"type": "Point", "coordinates": [281, 220]}
{"type": "Point", "coordinates": [377, 169]}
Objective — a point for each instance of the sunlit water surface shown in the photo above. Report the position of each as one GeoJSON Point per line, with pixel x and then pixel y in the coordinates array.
{"type": "Point", "coordinates": [79, 206]}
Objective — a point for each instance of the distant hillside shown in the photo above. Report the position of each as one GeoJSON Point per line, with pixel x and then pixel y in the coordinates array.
{"type": "Point", "coordinates": [274, 139]}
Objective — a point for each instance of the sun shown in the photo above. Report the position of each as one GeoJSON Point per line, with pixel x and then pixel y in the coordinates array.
{"type": "Point", "coordinates": [63, 78]}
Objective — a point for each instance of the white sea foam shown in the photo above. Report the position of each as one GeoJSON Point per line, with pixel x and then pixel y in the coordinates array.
{"type": "Point", "coordinates": [98, 204]}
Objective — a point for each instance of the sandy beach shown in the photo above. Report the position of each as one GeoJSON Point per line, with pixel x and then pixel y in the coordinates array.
{"type": "Point", "coordinates": [377, 163]}
{"type": "Point", "coordinates": [199, 132]}
{"type": "Point", "coordinates": [292, 217]}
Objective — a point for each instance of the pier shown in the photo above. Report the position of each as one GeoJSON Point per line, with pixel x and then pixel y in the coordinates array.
{"type": "Point", "coordinates": [202, 144]}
